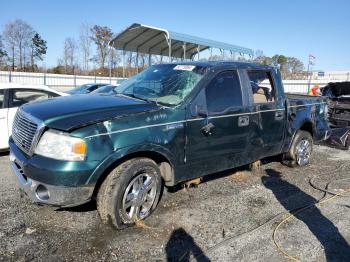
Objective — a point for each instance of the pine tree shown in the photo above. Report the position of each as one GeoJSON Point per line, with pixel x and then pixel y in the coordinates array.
{"type": "Point", "coordinates": [39, 48]}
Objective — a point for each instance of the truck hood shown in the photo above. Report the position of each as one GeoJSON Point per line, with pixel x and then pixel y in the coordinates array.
{"type": "Point", "coordinates": [71, 112]}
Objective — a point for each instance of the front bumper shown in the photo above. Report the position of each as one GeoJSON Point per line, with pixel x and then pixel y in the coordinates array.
{"type": "Point", "coordinates": [52, 195]}
{"type": "Point", "coordinates": [50, 181]}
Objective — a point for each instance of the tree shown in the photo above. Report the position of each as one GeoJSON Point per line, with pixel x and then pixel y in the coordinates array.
{"type": "Point", "coordinates": [69, 49]}
{"type": "Point", "coordinates": [295, 66]}
{"type": "Point", "coordinates": [38, 49]}
{"type": "Point", "coordinates": [101, 35]}
{"type": "Point", "coordinates": [18, 34]}
{"type": "Point", "coordinates": [3, 53]}
{"type": "Point", "coordinates": [10, 40]}
{"type": "Point", "coordinates": [265, 60]}
{"type": "Point", "coordinates": [85, 45]}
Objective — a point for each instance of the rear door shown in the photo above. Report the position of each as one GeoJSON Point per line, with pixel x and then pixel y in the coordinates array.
{"type": "Point", "coordinates": [269, 106]}
{"type": "Point", "coordinates": [217, 127]}
{"type": "Point", "coordinates": [3, 119]}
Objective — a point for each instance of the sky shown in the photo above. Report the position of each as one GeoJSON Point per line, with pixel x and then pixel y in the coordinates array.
{"type": "Point", "coordinates": [292, 28]}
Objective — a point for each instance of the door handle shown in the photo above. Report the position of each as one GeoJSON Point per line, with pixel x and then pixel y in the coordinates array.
{"type": "Point", "coordinates": [243, 121]}
{"type": "Point", "coordinates": [279, 115]}
{"type": "Point", "coordinates": [208, 129]}
{"type": "Point", "coordinates": [2, 117]}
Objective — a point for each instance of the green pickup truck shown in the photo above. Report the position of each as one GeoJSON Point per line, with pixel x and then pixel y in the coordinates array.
{"type": "Point", "coordinates": [167, 125]}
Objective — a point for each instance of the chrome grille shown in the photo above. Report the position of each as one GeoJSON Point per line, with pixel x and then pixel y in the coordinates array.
{"type": "Point", "coordinates": [24, 130]}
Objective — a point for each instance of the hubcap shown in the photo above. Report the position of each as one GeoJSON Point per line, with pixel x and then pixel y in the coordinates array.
{"type": "Point", "coordinates": [303, 152]}
{"type": "Point", "coordinates": [139, 197]}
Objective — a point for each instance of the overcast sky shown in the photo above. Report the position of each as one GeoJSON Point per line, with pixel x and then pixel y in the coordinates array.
{"type": "Point", "coordinates": [293, 28]}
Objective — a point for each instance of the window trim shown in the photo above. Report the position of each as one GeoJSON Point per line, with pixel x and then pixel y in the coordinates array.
{"type": "Point", "coordinates": [12, 91]}
{"type": "Point", "coordinates": [4, 102]}
{"type": "Point", "coordinates": [273, 82]}
{"type": "Point", "coordinates": [231, 108]}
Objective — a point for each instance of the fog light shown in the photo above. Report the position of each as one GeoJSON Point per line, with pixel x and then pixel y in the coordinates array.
{"type": "Point", "coordinates": [42, 193]}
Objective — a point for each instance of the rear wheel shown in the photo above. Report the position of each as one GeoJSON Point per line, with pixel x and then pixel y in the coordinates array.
{"type": "Point", "coordinates": [130, 192]}
{"type": "Point", "coordinates": [301, 150]}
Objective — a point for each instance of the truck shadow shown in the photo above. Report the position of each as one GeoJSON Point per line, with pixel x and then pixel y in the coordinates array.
{"type": "Point", "coordinates": [87, 207]}
{"type": "Point", "coordinates": [335, 246]}
{"type": "Point", "coordinates": [181, 245]}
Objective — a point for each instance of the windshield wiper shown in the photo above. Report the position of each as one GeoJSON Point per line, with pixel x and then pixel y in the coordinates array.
{"type": "Point", "coordinates": [140, 98]}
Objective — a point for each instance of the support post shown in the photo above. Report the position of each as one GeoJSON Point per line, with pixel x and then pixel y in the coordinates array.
{"type": "Point", "coordinates": [184, 48]}
{"type": "Point", "coordinates": [198, 50]}
{"type": "Point", "coordinates": [123, 63]}
{"type": "Point", "coordinates": [169, 46]}
{"type": "Point", "coordinates": [137, 62]}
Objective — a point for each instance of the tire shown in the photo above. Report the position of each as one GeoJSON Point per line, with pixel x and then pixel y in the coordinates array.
{"type": "Point", "coordinates": [129, 193]}
{"type": "Point", "coordinates": [300, 152]}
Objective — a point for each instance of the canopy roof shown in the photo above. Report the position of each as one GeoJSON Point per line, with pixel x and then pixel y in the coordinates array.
{"type": "Point", "coordinates": [156, 41]}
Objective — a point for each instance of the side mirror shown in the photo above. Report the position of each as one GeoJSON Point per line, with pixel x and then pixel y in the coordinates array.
{"type": "Point", "coordinates": [201, 111]}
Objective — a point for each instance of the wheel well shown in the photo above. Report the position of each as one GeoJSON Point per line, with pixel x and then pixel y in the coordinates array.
{"type": "Point", "coordinates": [307, 126]}
{"type": "Point", "coordinates": [163, 163]}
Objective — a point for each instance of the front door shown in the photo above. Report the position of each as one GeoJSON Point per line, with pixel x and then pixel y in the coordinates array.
{"type": "Point", "coordinates": [3, 121]}
{"type": "Point", "coordinates": [217, 129]}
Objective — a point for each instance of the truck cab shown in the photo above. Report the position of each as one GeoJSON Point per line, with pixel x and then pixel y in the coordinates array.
{"type": "Point", "coordinates": [169, 124]}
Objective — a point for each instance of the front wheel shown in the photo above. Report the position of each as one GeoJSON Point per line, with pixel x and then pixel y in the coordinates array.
{"type": "Point", "coordinates": [301, 150]}
{"type": "Point", "coordinates": [129, 193]}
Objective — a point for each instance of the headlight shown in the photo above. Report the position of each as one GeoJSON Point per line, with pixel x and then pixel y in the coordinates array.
{"type": "Point", "coordinates": [61, 146]}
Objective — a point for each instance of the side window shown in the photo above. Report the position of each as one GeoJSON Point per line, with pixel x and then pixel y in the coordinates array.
{"type": "Point", "coordinates": [20, 97]}
{"type": "Point", "coordinates": [2, 97]}
{"type": "Point", "coordinates": [223, 92]}
{"type": "Point", "coordinates": [262, 86]}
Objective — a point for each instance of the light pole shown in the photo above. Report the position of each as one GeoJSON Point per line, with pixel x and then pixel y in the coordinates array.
{"type": "Point", "coordinates": [310, 63]}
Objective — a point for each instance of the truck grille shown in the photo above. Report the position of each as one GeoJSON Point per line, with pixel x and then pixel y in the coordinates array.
{"type": "Point", "coordinates": [23, 131]}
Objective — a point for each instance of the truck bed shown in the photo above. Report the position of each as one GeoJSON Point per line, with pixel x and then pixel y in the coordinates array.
{"type": "Point", "coordinates": [299, 99]}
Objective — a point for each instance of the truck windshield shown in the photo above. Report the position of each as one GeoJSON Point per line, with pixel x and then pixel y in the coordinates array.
{"type": "Point", "coordinates": [165, 84]}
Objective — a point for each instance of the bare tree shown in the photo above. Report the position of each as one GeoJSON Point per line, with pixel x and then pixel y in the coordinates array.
{"type": "Point", "coordinates": [113, 58]}
{"type": "Point", "coordinates": [69, 53]}
{"type": "Point", "coordinates": [85, 45]}
{"type": "Point", "coordinates": [18, 35]}
{"type": "Point", "coordinates": [10, 41]}
{"type": "Point", "coordinates": [101, 35]}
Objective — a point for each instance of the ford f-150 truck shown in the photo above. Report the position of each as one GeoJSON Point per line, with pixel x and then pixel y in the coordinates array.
{"type": "Point", "coordinates": [167, 125]}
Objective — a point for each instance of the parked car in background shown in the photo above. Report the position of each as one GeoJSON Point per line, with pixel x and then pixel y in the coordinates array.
{"type": "Point", "coordinates": [108, 89]}
{"type": "Point", "coordinates": [12, 96]}
{"type": "Point", "coordinates": [84, 89]}
{"type": "Point", "coordinates": [339, 103]}
{"type": "Point", "coordinates": [167, 125]}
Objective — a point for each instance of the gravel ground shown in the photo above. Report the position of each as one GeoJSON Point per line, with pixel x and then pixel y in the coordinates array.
{"type": "Point", "coordinates": [231, 216]}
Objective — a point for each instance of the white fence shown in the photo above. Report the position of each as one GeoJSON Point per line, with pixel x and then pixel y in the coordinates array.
{"type": "Point", "coordinates": [56, 81]}
{"type": "Point", "coordinates": [65, 82]}
{"type": "Point", "coordinates": [302, 86]}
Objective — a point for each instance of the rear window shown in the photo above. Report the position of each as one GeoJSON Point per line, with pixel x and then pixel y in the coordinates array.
{"type": "Point", "coordinates": [262, 86]}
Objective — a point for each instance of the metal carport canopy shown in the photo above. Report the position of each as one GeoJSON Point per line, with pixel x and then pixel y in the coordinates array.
{"type": "Point", "coordinates": [157, 41]}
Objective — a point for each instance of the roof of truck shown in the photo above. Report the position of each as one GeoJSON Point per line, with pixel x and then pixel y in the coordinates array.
{"type": "Point", "coordinates": [237, 64]}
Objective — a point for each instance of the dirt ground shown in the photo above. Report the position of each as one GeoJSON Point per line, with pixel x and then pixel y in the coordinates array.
{"type": "Point", "coordinates": [231, 216]}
